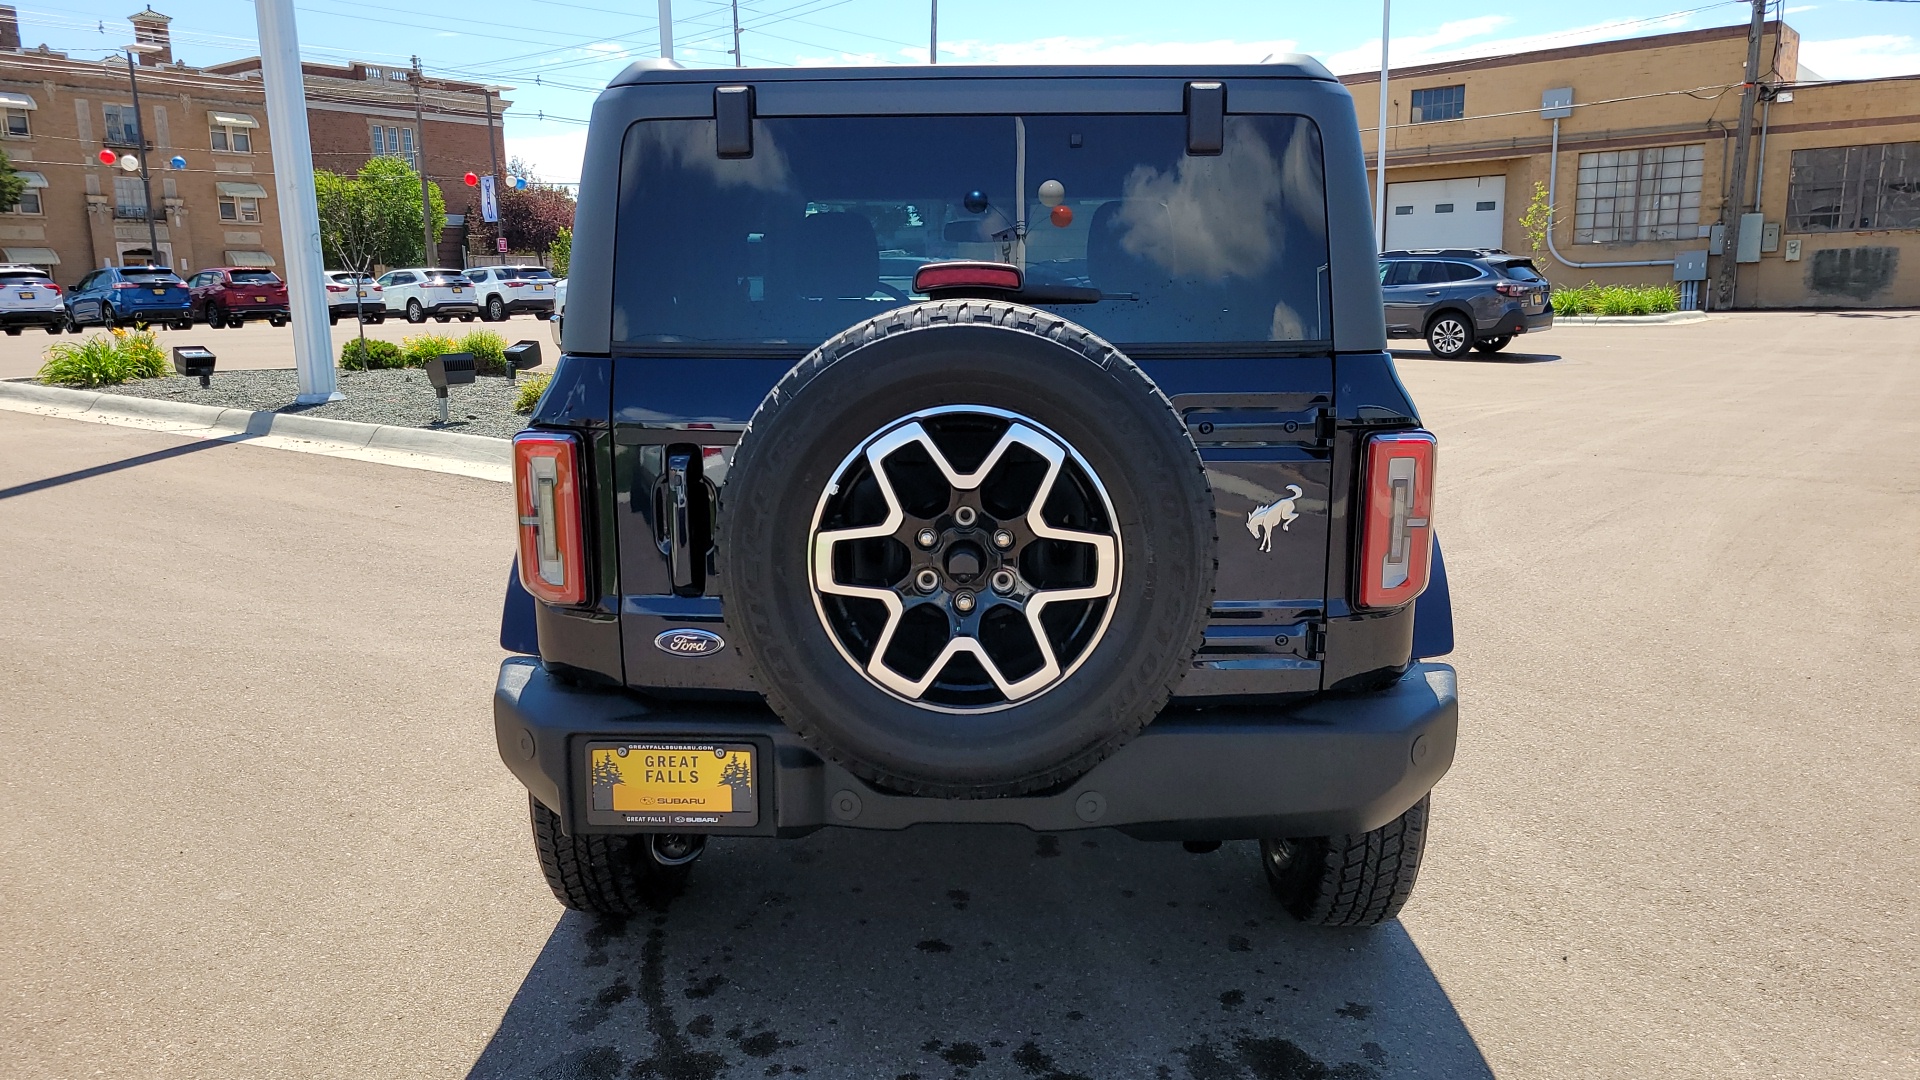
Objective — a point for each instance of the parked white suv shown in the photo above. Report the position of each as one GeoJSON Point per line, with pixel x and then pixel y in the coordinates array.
{"type": "Point", "coordinates": [417, 292]}
{"type": "Point", "coordinates": [350, 294]}
{"type": "Point", "coordinates": [28, 297]}
{"type": "Point", "coordinates": [505, 291]}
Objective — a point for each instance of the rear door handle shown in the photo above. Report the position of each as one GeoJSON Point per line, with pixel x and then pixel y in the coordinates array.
{"type": "Point", "coordinates": [1433, 292]}
{"type": "Point", "coordinates": [679, 520]}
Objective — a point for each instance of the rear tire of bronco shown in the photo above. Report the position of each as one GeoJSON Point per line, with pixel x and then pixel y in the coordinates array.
{"type": "Point", "coordinates": [1353, 880]}
{"type": "Point", "coordinates": [929, 657]}
{"type": "Point", "coordinates": [602, 874]}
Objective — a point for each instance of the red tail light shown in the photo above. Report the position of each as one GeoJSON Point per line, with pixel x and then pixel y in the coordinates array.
{"type": "Point", "coordinates": [1396, 544]}
{"type": "Point", "coordinates": [959, 274]}
{"type": "Point", "coordinates": [336, 288]}
{"type": "Point", "coordinates": [546, 489]}
{"type": "Point", "coordinates": [1508, 288]}
{"type": "Point", "coordinates": [51, 285]}
{"type": "Point", "coordinates": [516, 284]}
{"type": "Point", "coordinates": [127, 285]}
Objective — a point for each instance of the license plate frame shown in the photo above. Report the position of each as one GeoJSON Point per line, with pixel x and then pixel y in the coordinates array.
{"type": "Point", "coordinates": [672, 784]}
{"type": "Point", "coordinates": [27, 295]}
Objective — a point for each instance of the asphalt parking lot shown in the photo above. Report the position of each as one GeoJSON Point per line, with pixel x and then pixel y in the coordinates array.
{"type": "Point", "coordinates": [254, 824]}
{"type": "Point", "coordinates": [257, 345]}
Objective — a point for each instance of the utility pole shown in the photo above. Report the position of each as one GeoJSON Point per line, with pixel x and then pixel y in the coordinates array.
{"type": "Point", "coordinates": [666, 29]}
{"type": "Point", "coordinates": [1736, 201]}
{"type": "Point", "coordinates": [493, 152]}
{"type": "Point", "coordinates": [933, 34]}
{"type": "Point", "coordinates": [1380, 136]}
{"type": "Point", "coordinates": [428, 255]}
{"type": "Point", "coordinates": [146, 184]}
{"type": "Point", "coordinates": [288, 137]}
{"type": "Point", "coordinates": [737, 61]}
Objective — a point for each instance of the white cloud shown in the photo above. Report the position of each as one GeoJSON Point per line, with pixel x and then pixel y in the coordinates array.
{"type": "Point", "coordinates": [1873, 56]}
{"type": "Point", "coordinates": [1803, 7]}
{"type": "Point", "coordinates": [1071, 50]}
{"type": "Point", "coordinates": [1430, 48]}
{"type": "Point", "coordinates": [607, 47]}
{"type": "Point", "coordinates": [555, 157]}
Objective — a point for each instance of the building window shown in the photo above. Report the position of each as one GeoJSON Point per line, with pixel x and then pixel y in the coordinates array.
{"type": "Point", "coordinates": [1402, 211]}
{"type": "Point", "coordinates": [1487, 205]}
{"type": "Point", "coordinates": [1439, 103]}
{"type": "Point", "coordinates": [1628, 195]}
{"type": "Point", "coordinates": [239, 208]}
{"type": "Point", "coordinates": [233, 140]}
{"type": "Point", "coordinates": [393, 142]}
{"type": "Point", "coordinates": [1443, 208]}
{"type": "Point", "coordinates": [29, 203]}
{"type": "Point", "coordinates": [123, 127]}
{"type": "Point", "coordinates": [129, 197]}
{"type": "Point", "coordinates": [17, 127]}
{"type": "Point", "coordinates": [1844, 188]}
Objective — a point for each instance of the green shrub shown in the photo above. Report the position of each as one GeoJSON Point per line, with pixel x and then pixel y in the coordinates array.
{"type": "Point", "coordinates": [419, 350]}
{"type": "Point", "coordinates": [106, 360]}
{"type": "Point", "coordinates": [531, 388]}
{"type": "Point", "coordinates": [1592, 299]}
{"type": "Point", "coordinates": [489, 352]}
{"type": "Point", "coordinates": [360, 355]}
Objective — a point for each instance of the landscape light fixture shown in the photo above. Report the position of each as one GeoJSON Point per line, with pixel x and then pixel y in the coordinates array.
{"type": "Point", "coordinates": [449, 369]}
{"type": "Point", "coordinates": [193, 361]}
{"type": "Point", "coordinates": [522, 355]}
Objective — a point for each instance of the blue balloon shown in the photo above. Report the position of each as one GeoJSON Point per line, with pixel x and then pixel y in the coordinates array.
{"type": "Point", "coordinates": [520, 182]}
{"type": "Point", "coordinates": [176, 162]}
{"type": "Point", "coordinates": [975, 202]}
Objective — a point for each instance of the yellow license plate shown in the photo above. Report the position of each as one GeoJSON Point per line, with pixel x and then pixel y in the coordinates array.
{"type": "Point", "coordinates": [159, 292]}
{"type": "Point", "coordinates": [682, 785]}
{"type": "Point", "coordinates": [537, 288]}
{"type": "Point", "coordinates": [259, 299]}
{"type": "Point", "coordinates": [26, 296]}
{"type": "Point", "coordinates": [363, 292]}
{"type": "Point", "coordinates": [456, 288]}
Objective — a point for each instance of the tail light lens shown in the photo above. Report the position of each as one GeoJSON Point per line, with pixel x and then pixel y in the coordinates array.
{"type": "Point", "coordinates": [1396, 546]}
{"type": "Point", "coordinates": [125, 285]}
{"type": "Point", "coordinates": [546, 487]}
{"type": "Point", "coordinates": [1508, 288]}
{"type": "Point", "coordinates": [50, 285]}
{"type": "Point", "coordinates": [516, 284]}
{"type": "Point", "coordinates": [336, 288]}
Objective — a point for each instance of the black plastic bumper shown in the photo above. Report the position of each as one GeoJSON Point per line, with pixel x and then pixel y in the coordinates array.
{"type": "Point", "coordinates": [1516, 321]}
{"type": "Point", "coordinates": [49, 317]}
{"type": "Point", "coordinates": [1334, 764]}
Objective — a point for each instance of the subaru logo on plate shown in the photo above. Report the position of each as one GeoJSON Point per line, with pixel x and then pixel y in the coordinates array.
{"type": "Point", "coordinates": [689, 642]}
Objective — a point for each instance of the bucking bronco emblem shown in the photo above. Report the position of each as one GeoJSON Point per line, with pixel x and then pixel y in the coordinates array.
{"type": "Point", "coordinates": [1260, 522]}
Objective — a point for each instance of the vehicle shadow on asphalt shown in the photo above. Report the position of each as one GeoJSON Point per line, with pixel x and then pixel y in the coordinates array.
{"type": "Point", "coordinates": [133, 462]}
{"type": "Point", "coordinates": [982, 953]}
{"type": "Point", "coordinates": [1477, 357]}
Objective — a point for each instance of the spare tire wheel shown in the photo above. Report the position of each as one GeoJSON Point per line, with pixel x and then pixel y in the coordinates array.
{"type": "Point", "coordinates": [967, 549]}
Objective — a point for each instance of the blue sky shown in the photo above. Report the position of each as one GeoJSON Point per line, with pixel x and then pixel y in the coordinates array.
{"type": "Point", "coordinates": [557, 53]}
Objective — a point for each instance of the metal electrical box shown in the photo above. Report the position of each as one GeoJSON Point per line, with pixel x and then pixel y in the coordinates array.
{"type": "Point", "coordinates": [1750, 229]}
{"type": "Point", "coordinates": [1717, 240]}
{"type": "Point", "coordinates": [1770, 237]}
{"type": "Point", "coordinates": [1690, 265]}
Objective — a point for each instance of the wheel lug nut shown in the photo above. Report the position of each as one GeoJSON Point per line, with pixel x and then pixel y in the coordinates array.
{"type": "Point", "coordinates": [965, 516]}
{"type": "Point", "coordinates": [927, 537]}
{"type": "Point", "coordinates": [926, 581]}
{"type": "Point", "coordinates": [1002, 539]}
{"type": "Point", "coordinates": [1002, 581]}
{"type": "Point", "coordinates": [963, 602]}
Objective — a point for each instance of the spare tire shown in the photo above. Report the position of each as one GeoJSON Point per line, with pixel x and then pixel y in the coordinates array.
{"type": "Point", "coordinates": [967, 549]}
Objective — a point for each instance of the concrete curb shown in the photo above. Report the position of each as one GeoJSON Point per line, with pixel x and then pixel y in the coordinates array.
{"type": "Point", "coordinates": [408, 447]}
{"type": "Point", "coordinates": [1669, 319]}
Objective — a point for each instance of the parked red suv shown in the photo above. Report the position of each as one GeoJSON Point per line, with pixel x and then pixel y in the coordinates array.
{"type": "Point", "coordinates": [230, 295]}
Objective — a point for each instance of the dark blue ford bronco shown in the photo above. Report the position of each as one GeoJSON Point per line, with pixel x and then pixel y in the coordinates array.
{"type": "Point", "coordinates": [996, 445]}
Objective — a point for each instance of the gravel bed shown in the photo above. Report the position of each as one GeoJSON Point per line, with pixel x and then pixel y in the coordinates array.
{"type": "Point", "coordinates": [401, 397]}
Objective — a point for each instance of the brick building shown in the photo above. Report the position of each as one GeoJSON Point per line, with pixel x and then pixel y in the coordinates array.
{"type": "Point", "coordinates": [79, 214]}
{"type": "Point", "coordinates": [1643, 172]}
{"type": "Point", "coordinates": [358, 111]}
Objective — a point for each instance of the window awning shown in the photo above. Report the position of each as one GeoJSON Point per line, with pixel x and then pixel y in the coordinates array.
{"type": "Point", "coordinates": [17, 101]}
{"type": "Point", "coordinates": [232, 119]}
{"type": "Point", "coordinates": [33, 256]}
{"type": "Point", "coordinates": [249, 258]}
{"type": "Point", "coordinates": [33, 179]}
{"type": "Point", "coordinates": [242, 191]}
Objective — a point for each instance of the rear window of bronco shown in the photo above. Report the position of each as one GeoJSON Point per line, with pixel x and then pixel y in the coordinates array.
{"type": "Point", "coordinates": [828, 220]}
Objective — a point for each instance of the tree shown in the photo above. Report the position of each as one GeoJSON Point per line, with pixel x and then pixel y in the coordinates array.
{"type": "Point", "coordinates": [530, 220]}
{"type": "Point", "coordinates": [1535, 223]}
{"type": "Point", "coordinates": [560, 252]}
{"type": "Point", "coordinates": [373, 217]}
{"type": "Point", "coordinates": [12, 184]}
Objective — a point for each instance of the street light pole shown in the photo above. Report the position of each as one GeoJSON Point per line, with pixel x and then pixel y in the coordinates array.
{"type": "Point", "coordinates": [140, 148]}
{"type": "Point", "coordinates": [738, 60]}
{"type": "Point", "coordinates": [933, 33]}
{"type": "Point", "coordinates": [666, 29]}
{"type": "Point", "coordinates": [428, 257]}
{"type": "Point", "coordinates": [1380, 140]}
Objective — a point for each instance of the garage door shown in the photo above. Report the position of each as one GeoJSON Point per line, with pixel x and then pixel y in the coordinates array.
{"type": "Point", "coordinates": [1464, 213]}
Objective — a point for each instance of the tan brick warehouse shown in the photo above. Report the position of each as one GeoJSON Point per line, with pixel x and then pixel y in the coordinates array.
{"type": "Point", "coordinates": [59, 112]}
{"type": "Point", "coordinates": [1644, 163]}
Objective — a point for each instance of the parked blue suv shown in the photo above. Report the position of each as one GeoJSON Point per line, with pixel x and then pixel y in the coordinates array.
{"type": "Point", "coordinates": [1463, 298]}
{"type": "Point", "coordinates": [119, 295]}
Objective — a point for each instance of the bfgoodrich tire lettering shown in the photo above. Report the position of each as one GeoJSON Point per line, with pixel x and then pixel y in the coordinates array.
{"type": "Point", "coordinates": [1000, 357]}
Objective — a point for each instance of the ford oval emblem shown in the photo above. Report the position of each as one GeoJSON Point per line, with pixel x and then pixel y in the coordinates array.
{"type": "Point", "coordinates": [689, 642]}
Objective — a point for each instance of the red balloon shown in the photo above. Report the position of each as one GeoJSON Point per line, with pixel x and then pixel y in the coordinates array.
{"type": "Point", "coordinates": [1061, 216]}
{"type": "Point", "coordinates": [472, 180]}
{"type": "Point", "coordinates": [108, 157]}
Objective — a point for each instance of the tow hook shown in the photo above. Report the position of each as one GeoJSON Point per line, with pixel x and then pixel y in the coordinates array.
{"type": "Point", "coordinates": [676, 849]}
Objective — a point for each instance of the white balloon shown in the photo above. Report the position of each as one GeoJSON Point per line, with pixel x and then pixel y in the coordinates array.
{"type": "Point", "coordinates": [1053, 193]}
{"type": "Point", "coordinates": [129, 163]}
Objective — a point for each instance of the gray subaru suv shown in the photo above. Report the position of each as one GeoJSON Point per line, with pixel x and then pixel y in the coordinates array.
{"type": "Point", "coordinates": [1463, 298]}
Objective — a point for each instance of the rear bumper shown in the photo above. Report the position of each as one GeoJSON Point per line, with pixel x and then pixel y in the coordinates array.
{"type": "Point", "coordinates": [56, 316]}
{"type": "Point", "coordinates": [1335, 764]}
{"type": "Point", "coordinates": [542, 305]}
{"type": "Point", "coordinates": [1516, 321]}
{"type": "Point", "coordinates": [256, 311]}
{"type": "Point", "coordinates": [447, 307]}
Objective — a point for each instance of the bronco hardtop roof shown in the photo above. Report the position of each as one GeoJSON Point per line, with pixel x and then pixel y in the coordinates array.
{"type": "Point", "coordinates": [1283, 66]}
